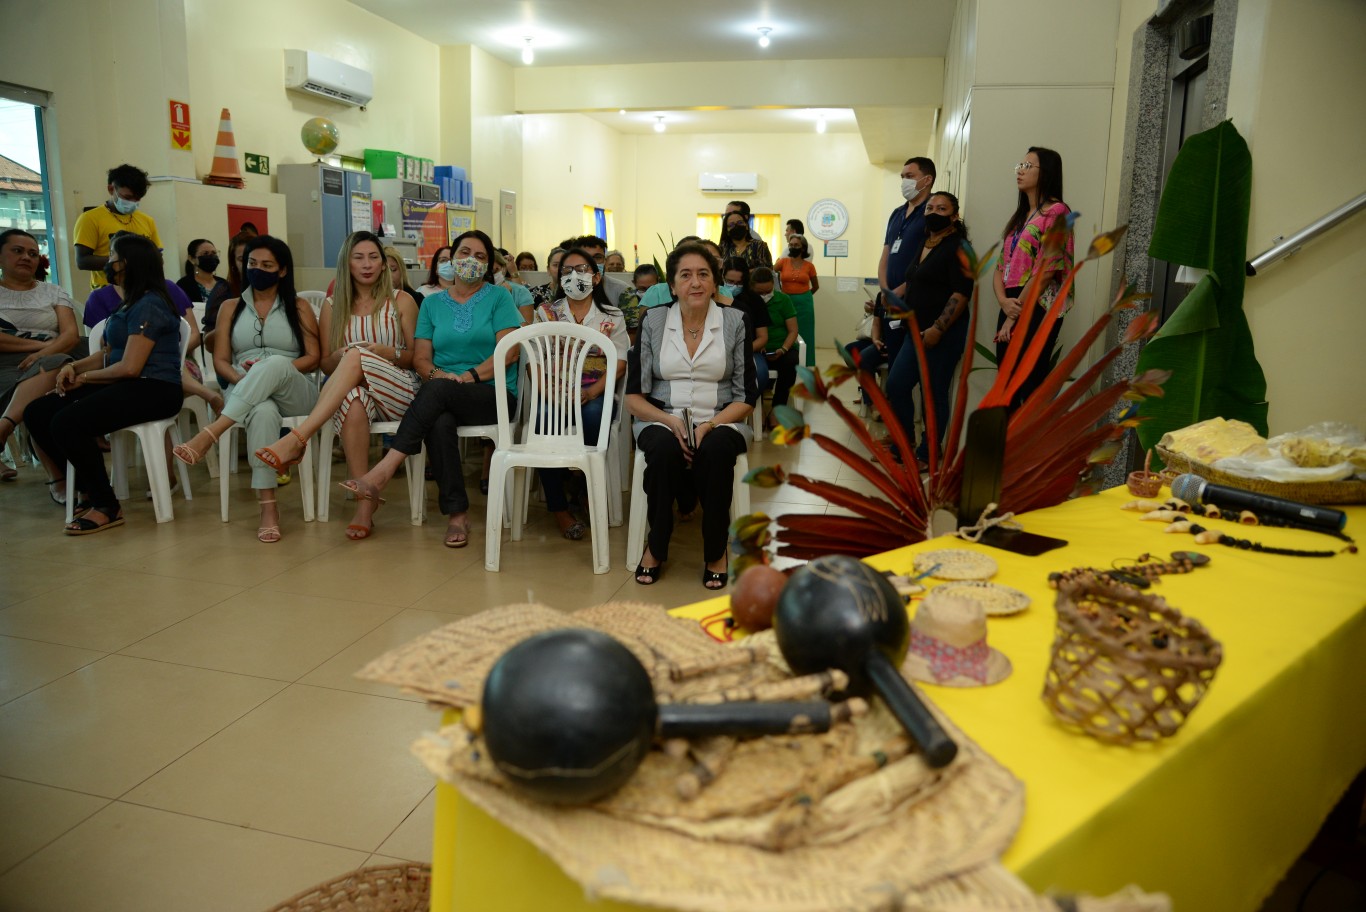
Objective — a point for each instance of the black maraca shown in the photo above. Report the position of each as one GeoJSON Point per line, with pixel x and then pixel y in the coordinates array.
{"type": "Point", "coordinates": [838, 612]}
{"type": "Point", "coordinates": [569, 715]}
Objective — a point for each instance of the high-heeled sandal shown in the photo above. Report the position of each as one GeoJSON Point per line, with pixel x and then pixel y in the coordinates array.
{"type": "Point", "coordinates": [270, 534]}
{"type": "Point", "coordinates": [710, 577]}
{"type": "Point", "coordinates": [274, 460]}
{"type": "Point", "coordinates": [189, 456]}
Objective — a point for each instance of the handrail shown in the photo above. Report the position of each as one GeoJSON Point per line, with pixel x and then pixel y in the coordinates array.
{"type": "Point", "coordinates": [1306, 234]}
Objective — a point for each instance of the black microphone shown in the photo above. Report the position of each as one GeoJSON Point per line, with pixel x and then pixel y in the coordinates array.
{"type": "Point", "coordinates": [1194, 489]}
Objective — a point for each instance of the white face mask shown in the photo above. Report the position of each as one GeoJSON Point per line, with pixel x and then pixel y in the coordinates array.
{"type": "Point", "coordinates": [768, 297]}
{"type": "Point", "coordinates": [577, 286]}
{"type": "Point", "coordinates": [499, 277]}
{"type": "Point", "coordinates": [125, 207]}
{"type": "Point", "coordinates": [909, 188]}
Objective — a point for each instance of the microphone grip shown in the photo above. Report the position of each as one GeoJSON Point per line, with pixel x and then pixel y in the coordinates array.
{"type": "Point", "coordinates": [934, 743]}
{"type": "Point", "coordinates": [1288, 510]}
{"type": "Point", "coordinates": [743, 719]}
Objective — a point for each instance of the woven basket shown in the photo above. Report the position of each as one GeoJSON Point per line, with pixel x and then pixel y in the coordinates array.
{"type": "Point", "coordinates": [1126, 667]}
{"type": "Point", "coordinates": [382, 888]}
{"type": "Point", "coordinates": [1314, 492]}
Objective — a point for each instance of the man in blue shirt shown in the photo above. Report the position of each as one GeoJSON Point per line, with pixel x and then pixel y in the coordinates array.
{"type": "Point", "coordinates": [906, 227]}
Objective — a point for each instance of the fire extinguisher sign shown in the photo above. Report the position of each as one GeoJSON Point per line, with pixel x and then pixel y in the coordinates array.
{"type": "Point", "coordinates": [180, 125]}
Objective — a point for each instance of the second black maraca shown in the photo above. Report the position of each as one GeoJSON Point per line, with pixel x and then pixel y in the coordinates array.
{"type": "Point", "coordinates": [838, 612]}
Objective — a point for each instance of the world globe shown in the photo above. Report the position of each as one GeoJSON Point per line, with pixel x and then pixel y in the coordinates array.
{"type": "Point", "coordinates": [320, 136]}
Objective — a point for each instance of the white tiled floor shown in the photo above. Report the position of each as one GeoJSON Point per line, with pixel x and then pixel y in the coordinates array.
{"type": "Point", "coordinates": [179, 728]}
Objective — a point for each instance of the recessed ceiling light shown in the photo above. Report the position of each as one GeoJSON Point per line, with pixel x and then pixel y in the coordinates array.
{"type": "Point", "coordinates": [659, 123]}
{"type": "Point", "coordinates": [820, 124]}
{"type": "Point", "coordinates": [622, 111]}
{"type": "Point", "coordinates": [528, 55]}
{"type": "Point", "coordinates": [763, 36]}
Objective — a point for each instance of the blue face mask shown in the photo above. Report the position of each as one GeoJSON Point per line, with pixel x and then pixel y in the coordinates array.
{"type": "Point", "coordinates": [125, 207]}
{"type": "Point", "coordinates": [730, 291]}
{"type": "Point", "coordinates": [602, 267]}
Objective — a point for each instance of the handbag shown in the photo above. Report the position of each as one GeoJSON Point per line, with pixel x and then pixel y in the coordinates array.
{"type": "Point", "coordinates": [865, 327]}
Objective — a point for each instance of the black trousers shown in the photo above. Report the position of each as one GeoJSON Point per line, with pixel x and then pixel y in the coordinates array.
{"type": "Point", "coordinates": [785, 370]}
{"type": "Point", "coordinates": [712, 474]}
{"type": "Point", "coordinates": [439, 410]}
{"type": "Point", "coordinates": [66, 427]}
{"type": "Point", "coordinates": [1044, 366]}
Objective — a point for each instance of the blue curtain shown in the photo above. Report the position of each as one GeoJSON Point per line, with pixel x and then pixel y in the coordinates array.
{"type": "Point", "coordinates": [600, 220]}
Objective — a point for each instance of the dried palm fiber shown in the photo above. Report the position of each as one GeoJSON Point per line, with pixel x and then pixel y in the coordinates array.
{"type": "Point", "coordinates": [851, 819]}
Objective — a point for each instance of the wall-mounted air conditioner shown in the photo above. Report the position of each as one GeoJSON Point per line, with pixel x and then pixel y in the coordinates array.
{"type": "Point", "coordinates": [315, 74]}
{"type": "Point", "coordinates": [728, 182]}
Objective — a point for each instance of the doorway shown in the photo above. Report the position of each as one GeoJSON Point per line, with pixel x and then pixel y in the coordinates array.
{"type": "Point", "coordinates": [25, 193]}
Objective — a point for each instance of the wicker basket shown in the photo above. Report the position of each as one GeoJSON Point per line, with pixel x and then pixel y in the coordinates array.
{"type": "Point", "coordinates": [1126, 667]}
{"type": "Point", "coordinates": [382, 888]}
{"type": "Point", "coordinates": [1314, 492]}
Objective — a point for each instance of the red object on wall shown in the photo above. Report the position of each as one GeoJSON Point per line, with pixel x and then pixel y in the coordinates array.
{"type": "Point", "coordinates": [257, 215]}
{"type": "Point", "coordinates": [377, 209]}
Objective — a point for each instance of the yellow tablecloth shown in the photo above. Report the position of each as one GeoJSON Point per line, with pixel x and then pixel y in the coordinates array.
{"type": "Point", "coordinates": [1213, 816]}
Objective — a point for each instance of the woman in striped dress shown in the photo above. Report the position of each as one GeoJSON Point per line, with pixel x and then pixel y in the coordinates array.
{"type": "Point", "coordinates": [367, 342]}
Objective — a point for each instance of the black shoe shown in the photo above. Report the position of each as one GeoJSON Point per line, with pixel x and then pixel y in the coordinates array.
{"type": "Point", "coordinates": [713, 580]}
{"type": "Point", "coordinates": [652, 573]}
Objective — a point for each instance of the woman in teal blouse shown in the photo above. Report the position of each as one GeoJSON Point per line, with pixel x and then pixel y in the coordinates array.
{"type": "Point", "coordinates": [457, 330]}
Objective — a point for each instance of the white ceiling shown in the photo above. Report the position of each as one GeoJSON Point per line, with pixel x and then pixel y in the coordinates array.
{"type": "Point", "coordinates": [737, 120]}
{"type": "Point", "coordinates": [586, 32]}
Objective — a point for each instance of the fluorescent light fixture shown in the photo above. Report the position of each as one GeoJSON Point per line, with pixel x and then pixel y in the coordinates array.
{"type": "Point", "coordinates": [659, 123]}
{"type": "Point", "coordinates": [763, 36]}
{"type": "Point", "coordinates": [528, 55]}
{"type": "Point", "coordinates": [621, 111]}
{"type": "Point", "coordinates": [820, 124]}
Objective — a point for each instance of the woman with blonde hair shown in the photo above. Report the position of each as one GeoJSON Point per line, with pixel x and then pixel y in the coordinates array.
{"type": "Point", "coordinates": [366, 334]}
{"type": "Point", "coordinates": [398, 273]}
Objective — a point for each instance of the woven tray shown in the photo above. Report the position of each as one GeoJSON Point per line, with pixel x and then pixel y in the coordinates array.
{"type": "Point", "coordinates": [1314, 492]}
{"type": "Point", "coordinates": [382, 888]}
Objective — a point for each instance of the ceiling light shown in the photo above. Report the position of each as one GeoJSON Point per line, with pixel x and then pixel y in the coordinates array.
{"type": "Point", "coordinates": [528, 55]}
{"type": "Point", "coordinates": [659, 123]}
{"type": "Point", "coordinates": [763, 36]}
{"type": "Point", "coordinates": [820, 124]}
{"type": "Point", "coordinates": [621, 111]}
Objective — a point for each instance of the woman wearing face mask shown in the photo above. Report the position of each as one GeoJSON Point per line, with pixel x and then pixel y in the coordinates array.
{"type": "Point", "coordinates": [267, 343]}
{"type": "Point", "coordinates": [780, 348]}
{"type": "Point", "coordinates": [37, 334]}
{"type": "Point", "coordinates": [736, 241]}
{"type": "Point", "coordinates": [1039, 181]}
{"type": "Point", "coordinates": [398, 275]}
{"type": "Point", "coordinates": [938, 292]}
{"type": "Point", "coordinates": [134, 377]}
{"type": "Point", "coordinates": [586, 304]}
{"type": "Point", "coordinates": [366, 339]}
{"type": "Point", "coordinates": [505, 274]}
{"type": "Point", "coordinates": [232, 288]}
{"type": "Point", "coordinates": [457, 331]}
{"type": "Point", "coordinates": [441, 275]}
{"type": "Point", "coordinates": [735, 273]}
{"type": "Point", "coordinates": [199, 282]}
{"type": "Point", "coordinates": [550, 291]}
{"type": "Point", "coordinates": [798, 277]}
{"type": "Point", "coordinates": [691, 356]}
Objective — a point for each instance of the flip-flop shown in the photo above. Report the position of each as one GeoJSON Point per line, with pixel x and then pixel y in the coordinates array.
{"type": "Point", "coordinates": [362, 490]}
{"type": "Point", "coordinates": [278, 463]}
{"type": "Point", "coordinates": [81, 525]}
{"type": "Point", "coordinates": [189, 456]}
{"type": "Point", "coordinates": [462, 541]}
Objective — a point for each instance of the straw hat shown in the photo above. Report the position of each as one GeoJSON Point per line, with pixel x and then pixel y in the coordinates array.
{"type": "Point", "coordinates": [949, 645]}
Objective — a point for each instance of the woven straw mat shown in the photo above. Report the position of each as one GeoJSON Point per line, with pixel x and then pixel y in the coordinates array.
{"type": "Point", "coordinates": [790, 824]}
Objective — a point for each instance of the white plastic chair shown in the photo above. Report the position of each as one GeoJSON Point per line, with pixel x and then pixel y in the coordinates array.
{"type": "Point", "coordinates": [553, 355]}
{"type": "Point", "coordinates": [414, 466]}
{"type": "Point", "coordinates": [635, 531]}
{"type": "Point", "coordinates": [150, 436]}
{"type": "Point", "coordinates": [315, 298]}
{"type": "Point", "coordinates": [490, 432]}
{"type": "Point", "coordinates": [618, 456]}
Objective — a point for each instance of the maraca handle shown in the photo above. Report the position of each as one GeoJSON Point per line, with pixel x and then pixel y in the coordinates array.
{"type": "Point", "coordinates": [690, 720]}
{"type": "Point", "coordinates": [934, 743]}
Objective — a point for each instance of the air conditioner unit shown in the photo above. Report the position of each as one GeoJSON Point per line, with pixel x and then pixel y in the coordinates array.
{"type": "Point", "coordinates": [315, 74]}
{"type": "Point", "coordinates": [728, 182]}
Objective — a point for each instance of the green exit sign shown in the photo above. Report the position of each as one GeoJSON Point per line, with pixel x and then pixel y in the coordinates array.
{"type": "Point", "coordinates": [257, 164]}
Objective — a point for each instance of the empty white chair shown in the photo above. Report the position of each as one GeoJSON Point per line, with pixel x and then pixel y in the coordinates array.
{"type": "Point", "coordinates": [636, 528]}
{"type": "Point", "coordinates": [414, 466]}
{"type": "Point", "coordinates": [553, 356]}
{"type": "Point", "coordinates": [150, 436]}
{"type": "Point", "coordinates": [315, 298]}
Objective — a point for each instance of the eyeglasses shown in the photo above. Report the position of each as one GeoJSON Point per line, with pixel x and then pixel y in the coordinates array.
{"type": "Point", "coordinates": [1025, 166]}
{"type": "Point", "coordinates": [260, 332]}
{"type": "Point", "coordinates": [581, 269]}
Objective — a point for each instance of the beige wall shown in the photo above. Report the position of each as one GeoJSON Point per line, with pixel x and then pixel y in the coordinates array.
{"type": "Point", "coordinates": [496, 138]}
{"type": "Point", "coordinates": [1295, 96]}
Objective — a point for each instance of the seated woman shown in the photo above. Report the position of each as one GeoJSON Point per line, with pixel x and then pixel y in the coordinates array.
{"type": "Point", "coordinates": [141, 382]}
{"type": "Point", "coordinates": [266, 344]}
{"type": "Point", "coordinates": [232, 288]}
{"type": "Point", "coordinates": [457, 331]}
{"type": "Point", "coordinates": [780, 350]}
{"type": "Point", "coordinates": [735, 274]}
{"type": "Point", "coordinates": [526, 262]}
{"type": "Point", "coordinates": [691, 356]}
{"type": "Point", "coordinates": [938, 292]}
{"type": "Point", "coordinates": [199, 282]}
{"type": "Point", "coordinates": [550, 291]}
{"type": "Point", "coordinates": [366, 340]}
{"type": "Point", "coordinates": [398, 274]}
{"type": "Point", "coordinates": [585, 303]}
{"type": "Point", "coordinates": [887, 336]}
{"type": "Point", "coordinates": [37, 333]}
{"type": "Point", "coordinates": [441, 274]}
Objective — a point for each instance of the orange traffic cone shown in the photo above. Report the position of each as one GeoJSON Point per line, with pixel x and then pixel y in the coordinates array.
{"type": "Point", "coordinates": [226, 172]}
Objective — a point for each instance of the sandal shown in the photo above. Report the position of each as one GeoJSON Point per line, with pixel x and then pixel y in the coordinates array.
{"type": "Point", "coordinates": [355, 531]}
{"type": "Point", "coordinates": [464, 535]}
{"type": "Point", "coordinates": [651, 574]}
{"type": "Point", "coordinates": [189, 456]}
{"type": "Point", "coordinates": [713, 580]}
{"type": "Point", "coordinates": [274, 460]}
{"type": "Point", "coordinates": [575, 532]}
{"type": "Point", "coordinates": [83, 525]}
{"type": "Point", "coordinates": [362, 490]}
{"type": "Point", "coordinates": [269, 534]}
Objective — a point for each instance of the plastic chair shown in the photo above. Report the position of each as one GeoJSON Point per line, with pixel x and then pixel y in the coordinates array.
{"type": "Point", "coordinates": [415, 467]}
{"type": "Point", "coordinates": [756, 418]}
{"type": "Point", "coordinates": [150, 436]}
{"type": "Point", "coordinates": [635, 531]}
{"type": "Point", "coordinates": [618, 456]}
{"type": "Point", "coordinates": [553, 356]}
{"type": "Point", "coordinates": [315, 298]}
{"type": "Point", "coordinates": [490, 432]}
